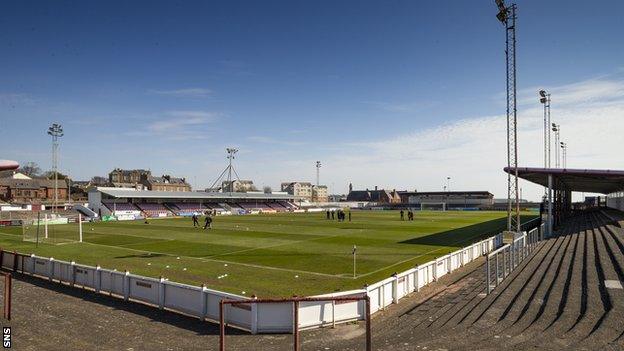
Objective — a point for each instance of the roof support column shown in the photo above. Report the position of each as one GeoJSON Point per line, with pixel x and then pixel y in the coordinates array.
{"type": "Point", "coordinates": [550, 209]}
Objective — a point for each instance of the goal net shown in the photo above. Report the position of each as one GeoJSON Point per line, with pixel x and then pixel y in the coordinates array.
{"type": "Point", "coordinates": [52, 229]}
{"type": "Point", "coordinates": [433, 206]}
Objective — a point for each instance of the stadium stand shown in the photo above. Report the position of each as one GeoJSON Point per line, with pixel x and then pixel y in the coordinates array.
{"type": "Point", "coordinates": [154, 210]}
{"type": "Point", "coordinates": [120, 206]}
{"type": "Point", "coordinates": [288, 205]}
{"type": "Point", "coordinates": [277, 207]}
{"type": "Point", "coordinates": [186, 209]}
{"type": "Point", "coordinates": [567, 295]}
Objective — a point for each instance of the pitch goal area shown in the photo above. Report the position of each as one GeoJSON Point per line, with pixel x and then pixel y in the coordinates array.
{"type": "Point", "coordinates": [52, 229]}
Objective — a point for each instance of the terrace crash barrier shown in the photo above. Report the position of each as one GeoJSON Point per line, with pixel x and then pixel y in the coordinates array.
{"type": "Point", "coordinates": [205, 303]}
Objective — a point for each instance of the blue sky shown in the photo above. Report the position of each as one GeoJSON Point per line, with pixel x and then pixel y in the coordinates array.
{"type": "Point", "coordinates": [370, 88]}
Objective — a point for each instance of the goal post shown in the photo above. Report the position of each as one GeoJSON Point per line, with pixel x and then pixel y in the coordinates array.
{"type": "Point", "coordinates": [52, 229]}
{"type": "Point", "coordinates": [433, 206]}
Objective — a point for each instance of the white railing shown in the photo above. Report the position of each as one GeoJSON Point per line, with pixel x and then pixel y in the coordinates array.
{"type": "Point", "coordinates": [501, 262]}
{"type": "Point", "coordinates": [203, 303]}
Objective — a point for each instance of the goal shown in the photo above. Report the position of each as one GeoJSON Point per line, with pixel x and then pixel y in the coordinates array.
{"type": "Point", "coordinates": [52, 229]}
{"type": "Point", "coordinates": [433, 206]}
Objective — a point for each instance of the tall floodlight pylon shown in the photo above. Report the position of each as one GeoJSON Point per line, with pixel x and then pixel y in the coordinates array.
{"type": "Point", "coordinates": [229, 170]}
{"type": "Point", "coordinates": [507, 16]}
{"type": "Point", "coordinates": [318, 170]}
{"type": "Point", "coordinates": [56, 131]}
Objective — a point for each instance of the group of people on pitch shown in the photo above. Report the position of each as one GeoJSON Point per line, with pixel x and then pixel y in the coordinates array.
{"type": "Point", "coordinates": [410, 215]}
{"type": "Point", "coordinates": [207, 221]}
{"type": "Point", "coordinates": [340, 214]}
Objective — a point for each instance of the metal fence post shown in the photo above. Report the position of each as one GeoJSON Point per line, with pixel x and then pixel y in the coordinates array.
{"type": "Point", "coordinates": [496, 268]}
{"type": "Point", "coordinates": [487, 273]}
{"type": "Point", "coordinates": [221, 327]}
{"type": "Point", "coordinates": [369, 343]}
{"type": "Point", "coordinates": [8, 282]}
{"type": "Point", "coordinates": [296, 325]}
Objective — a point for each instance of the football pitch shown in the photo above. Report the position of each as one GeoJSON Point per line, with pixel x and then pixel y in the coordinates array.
{"type": "Point", "coordinates": [269, 255]}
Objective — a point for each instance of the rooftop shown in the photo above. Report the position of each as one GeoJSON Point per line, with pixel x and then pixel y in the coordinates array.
{"type": "Point", "coordinates": [146, 194]}
{"type": "Point", "coordinates": [603, 181]}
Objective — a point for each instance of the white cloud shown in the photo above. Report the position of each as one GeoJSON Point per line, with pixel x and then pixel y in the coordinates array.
{"type": "Point", "coordinates": [473, 151]}
{"type": "Point", "coordinates": [269, 140]}
{"type": "Point", "coordinates": [13, 99]}
{"type": "Point", "coordinates": [179, 125]}
{"type": "Point", "coordinates": [187, 92]}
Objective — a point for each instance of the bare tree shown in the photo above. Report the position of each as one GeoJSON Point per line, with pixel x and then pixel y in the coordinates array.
{"type": "Point", "coordinates": [30, 169]}
{"type": "Point", "coordinates": [98, 180]}
{"type": "Point", "coordinates": [267, 189]}
{"type": "Point", "coordinates": [50, 175]}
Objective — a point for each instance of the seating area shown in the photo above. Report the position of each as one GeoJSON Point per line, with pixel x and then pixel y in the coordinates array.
{"type": "Point", "coordinates": [154, 210]}
{"type": "Point", "coordinates": [120, 206]}
{"type": "Point", "coordinates": [288, 205]}
{"type": "Point", "coordinates": [185, 207]}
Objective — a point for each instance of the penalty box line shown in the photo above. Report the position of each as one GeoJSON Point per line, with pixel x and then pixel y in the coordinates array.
{"type": "Point", "coordinates": [222, 261]}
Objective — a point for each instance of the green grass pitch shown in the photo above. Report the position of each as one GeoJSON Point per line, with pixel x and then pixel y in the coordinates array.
{"type": "Point", "coordinates": [269, 255]}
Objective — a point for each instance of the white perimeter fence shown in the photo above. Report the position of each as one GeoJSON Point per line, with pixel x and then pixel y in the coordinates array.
{"type": "Point", "coordinates": [203, 303]}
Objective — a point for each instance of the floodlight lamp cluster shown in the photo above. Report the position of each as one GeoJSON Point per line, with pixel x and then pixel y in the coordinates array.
{"type": "Point", "coordinates": [543, 96]}
{"type": "Point", "coordinates": [55, 130]}
{"type": "Point", "coordinates": [502, 11]}
{"type": "Point", "coordinates": [231, 152]}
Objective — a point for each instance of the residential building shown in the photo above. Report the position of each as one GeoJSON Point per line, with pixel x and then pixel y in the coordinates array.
{"type": "Point", "coordinates": [164, 183]}
{"type": "Point", "coordinates": [378, 195]}
{"type": "Point", "coordinates": [301, 190]}
{"type": "Point", "coordinates": [319, 193]}
{"type": "Point", "coordinates": [238, 186]}
{"type": "Point", "coordinates": [20, 188]}
{"type": "Point", "coordinates": [128, 176]}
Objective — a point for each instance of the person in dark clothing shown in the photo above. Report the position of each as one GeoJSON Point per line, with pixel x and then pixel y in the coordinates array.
{"type": "Point", "coordinates": [332, 214]}
{"type": "Point", "coordinates": [349, 215]}
{"type": "Point", "coordinates": [195, 221]}
{"type": "Point", "coordinates": [402, 215]}
{"type": "Point", "coordinates": [327, 214]}
{"type": "Point", "coordinates": [208, 222]}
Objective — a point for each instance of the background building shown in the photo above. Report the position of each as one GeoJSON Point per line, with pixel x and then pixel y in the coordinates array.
{"type": "Point", "coordinates": [19, 188]}
{"type": "Point", "coordinates": [450, 199]}
{"type": "Point", "coordinates": [238, 186]}
{"type": "Point", "coordinates": [301, 190]}
{"type": "Point", "coordinates": [319, 193]}
{"type": "Point", "coordinates": [378, 195]}
{"type": "Point", "coordinates": [164, 183]}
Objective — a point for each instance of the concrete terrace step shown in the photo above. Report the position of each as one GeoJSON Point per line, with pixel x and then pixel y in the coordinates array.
{"type": "Point", "coordinates": [556, 298]}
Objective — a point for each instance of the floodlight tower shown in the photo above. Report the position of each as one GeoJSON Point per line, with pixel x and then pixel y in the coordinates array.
{"type": "Point", "coordinates": [545, 100]}
{"type": "Point", "coordinates": [227, 172]}
{"type": "Point", "coordinates": [318, 170]}
{"type": "Point", "coordinates": [556, 128]}
{"type": "Point", "coordinates": [231, 152]}
{"type": "Point", "coordinates": [56, 131]}
{"type": "Point", "coordinates": [507, 16]}
{"type": "Point", "coordinates": [564, 151]}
